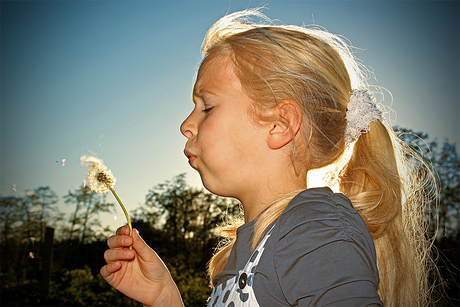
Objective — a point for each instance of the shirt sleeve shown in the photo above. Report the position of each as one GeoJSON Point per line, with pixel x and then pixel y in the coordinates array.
{"type": "Point", "coordinates": [327, 259]}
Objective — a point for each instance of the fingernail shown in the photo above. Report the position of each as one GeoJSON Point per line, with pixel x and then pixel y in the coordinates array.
{"type": "Point", "coordinates": [124, 241]}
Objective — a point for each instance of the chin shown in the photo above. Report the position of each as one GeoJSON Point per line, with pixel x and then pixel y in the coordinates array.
{"type": "Point", "coordinates": [213, 189]}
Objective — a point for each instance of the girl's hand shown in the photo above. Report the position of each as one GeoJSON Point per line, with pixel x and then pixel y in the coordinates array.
{"type": "Point", "coordinates": [138, 273]}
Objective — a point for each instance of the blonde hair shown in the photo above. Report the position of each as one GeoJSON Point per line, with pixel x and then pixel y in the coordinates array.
{"type": "Point", "coordinates": [318, 70]}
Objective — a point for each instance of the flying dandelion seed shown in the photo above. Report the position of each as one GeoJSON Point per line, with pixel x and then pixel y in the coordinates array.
{"type": "Point", "coordinates": [34, 209]}
{"type": "Point", "coordinates": [14, 187]}
{"type": "Point", "coordinates": [63, 162]}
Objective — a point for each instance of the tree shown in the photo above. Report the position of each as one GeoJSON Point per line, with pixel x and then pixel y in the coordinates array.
{"type": "Point", "coordinates": [175, 203]}
{"type": "Point", "coordinates": [445, 209]}
{"type": "Point", "coordinates": [42, 200]}
{"type": "Point", "coordinates": [88, 205]}
{"type": "Point", "coordinates": [9, 215]}
{"type": "Point", "coordinates": [185, 219]}
{"type": "Point", "coordinates": [447, 165]}
{"type": "Point", "coordinates": [24, 221]}
{"type": "Point", "coordinates": [10, 218]}
{"type": "Point", "coordinates": [187, 213]}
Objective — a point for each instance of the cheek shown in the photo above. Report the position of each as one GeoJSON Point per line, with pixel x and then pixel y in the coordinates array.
{"type": "Point", "coordinates": [216, 147]}
{"type": "Point", "coordinates": [211, 136]}
{"type": "Point", "coordinates": [217, 141]}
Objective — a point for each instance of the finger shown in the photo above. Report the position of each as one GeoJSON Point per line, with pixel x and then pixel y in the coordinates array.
{"type": "Point", "coordinates": [114, 255]}
{"type": "Point", "coordinates": [119, 241]}
{"type": "Point", "coordinates": [142, 249]}
{"type": "Point", "coordinates": [110, 268]}
{"type": "Point", "coordinates": [123, 230]}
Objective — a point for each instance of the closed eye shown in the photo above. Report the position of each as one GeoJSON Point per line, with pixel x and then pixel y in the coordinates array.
{"type": "Point", "coordinates": [206, 109]}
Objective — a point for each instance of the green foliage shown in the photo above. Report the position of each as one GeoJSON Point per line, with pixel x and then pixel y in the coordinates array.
{"type": "Point", "coordinates": [25, 292]}
{"type": "Point", "coordinates": [186, 219]}
{"type": "Point", "coordinates": [193, 286]}
{"type": "Point", "coordinates": [187, 216]}
{"type": "Point", "coordinates": [79, 287]}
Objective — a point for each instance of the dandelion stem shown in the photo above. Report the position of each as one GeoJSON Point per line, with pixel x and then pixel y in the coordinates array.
{"type": "Point", "coordinates": [124, 211]}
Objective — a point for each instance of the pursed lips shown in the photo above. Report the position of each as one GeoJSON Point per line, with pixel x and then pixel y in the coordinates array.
{"type": "Point", "coordinates": [190, 156]}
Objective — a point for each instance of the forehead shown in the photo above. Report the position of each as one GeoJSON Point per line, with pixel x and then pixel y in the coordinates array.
{"type": "Point", "coordinates": [214, 74]}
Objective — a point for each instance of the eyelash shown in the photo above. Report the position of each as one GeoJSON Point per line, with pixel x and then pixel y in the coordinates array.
{"type": "Point", "coordinates": [206, 109]}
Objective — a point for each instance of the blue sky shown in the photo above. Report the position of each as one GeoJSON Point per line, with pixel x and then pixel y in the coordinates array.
{"type": "Point", "coordinates": [114, 78]}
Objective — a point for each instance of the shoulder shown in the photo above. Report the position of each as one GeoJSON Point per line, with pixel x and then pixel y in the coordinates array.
{"type": "Point", "coordinates": [318, 221]}
{"type": "Point", "coordinates": [321, 251]}
{"type": "Point", "coordinates": [320, 213]}
{"type": "Point", "coordinates": [318, 201]}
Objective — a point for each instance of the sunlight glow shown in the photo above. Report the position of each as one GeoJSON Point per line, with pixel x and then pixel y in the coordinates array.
{"type": "Point", "coordinates": [329, 175]}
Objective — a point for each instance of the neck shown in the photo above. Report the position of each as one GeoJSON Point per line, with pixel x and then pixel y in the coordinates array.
{"type": "Point", "coordinates": [255, 203]}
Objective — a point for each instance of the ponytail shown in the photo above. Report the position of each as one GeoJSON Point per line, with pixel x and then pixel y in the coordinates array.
{"type": "Point", "coordinates": [379, 191]}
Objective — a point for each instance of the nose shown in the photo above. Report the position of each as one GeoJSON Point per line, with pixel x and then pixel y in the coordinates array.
{"type": "Point", "coordinates": [188, 129]}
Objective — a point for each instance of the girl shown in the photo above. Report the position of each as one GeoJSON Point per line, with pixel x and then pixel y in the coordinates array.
{"type": "Point", "coordinates": [272, 105]}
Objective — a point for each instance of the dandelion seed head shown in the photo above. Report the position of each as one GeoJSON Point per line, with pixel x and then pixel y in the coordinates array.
{"type": "Point", "coordinates": [100, 179]}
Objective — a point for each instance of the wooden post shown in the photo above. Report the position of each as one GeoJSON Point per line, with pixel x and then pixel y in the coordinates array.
{"type": "Point", "coordinates": [47, 261]}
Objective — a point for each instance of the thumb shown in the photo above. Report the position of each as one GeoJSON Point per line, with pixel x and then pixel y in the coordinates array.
{"type": "Point", "coordinates": [142, 249]}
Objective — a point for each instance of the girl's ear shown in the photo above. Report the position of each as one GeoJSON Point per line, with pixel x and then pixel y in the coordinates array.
{"type": "Point", "coordinates": [283, 130]}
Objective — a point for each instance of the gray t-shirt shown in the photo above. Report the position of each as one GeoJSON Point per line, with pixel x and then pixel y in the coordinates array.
{"type": "Point", "coordinates": [320, 253]}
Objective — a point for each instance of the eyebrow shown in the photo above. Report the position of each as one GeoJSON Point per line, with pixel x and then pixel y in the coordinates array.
{"type": "Point", "coordinates": [199, 93]}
